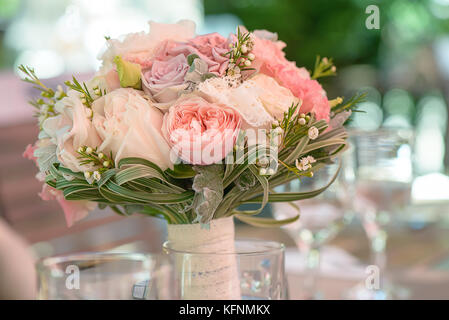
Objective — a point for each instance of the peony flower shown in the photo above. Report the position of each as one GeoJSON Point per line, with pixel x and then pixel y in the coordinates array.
{"type": "Point", "coordinates": [130, 126]}
{"type": "Point", "coordinates": [140, 47]}
{"type": "Point", "coordinates": [270, 60]}
{"type": "Point", "coordinates": [165, 79]}
{"type": "Point", "coordinates": [73, 210]}
{"type": "Point", "coordinates": [310, 91]}
{"type": "Point", "coordinates": [200, 132]}
{"type": "Point", "coordinates": [70, 130]}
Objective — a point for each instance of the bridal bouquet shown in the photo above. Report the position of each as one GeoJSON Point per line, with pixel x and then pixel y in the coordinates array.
{"type": "Point", "coordinates": [187, 128]}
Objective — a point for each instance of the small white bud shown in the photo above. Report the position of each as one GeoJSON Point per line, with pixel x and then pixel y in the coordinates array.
{"type": "Point", "coordinates": [87, 174]}
{"type": "Point", "coordinates": [247, 63]}
{"type": "Point", "coordinates": [251, 56]}
{"type": "Point", "coordinates": [244, 49]}
{"type": "Point", "coordinates": [106, 164]}
{"type": "Point", "coordinates": [97, 92]}
{"type": "Point", "coordinates": [83, 101]}
{"type": "Point", "coordinates": [80, 149]}
{"type": "Point", "coordinates": [278, 130]}
{"type": "Point", "coordinates": [302, 115]}
{"type": "Point", "coordinates": [97, 175]}
{"type": "Point", "coordinates": [101, 155]}
{"type": "Point", "coordinates": [271, 172]}
{"type": "Point", "coordinates": [302, 121]}
{"type": "Point", "coordinates": [262, 171]}
{"type": "Point", "coordinates": [313, 133]}
{"type": "Point", "coordinates": [89, 150]}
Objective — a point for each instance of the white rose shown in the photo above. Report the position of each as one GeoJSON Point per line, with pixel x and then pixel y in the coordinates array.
{"type": "Point", "coordinates": [70, 129]}
{"type": "Point", "coordinates": [131, 127]}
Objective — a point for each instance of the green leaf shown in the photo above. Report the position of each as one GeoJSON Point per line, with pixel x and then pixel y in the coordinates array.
{"type": "Point", "coordinates": [136, 172]}
{"type": "Point", "coordinates": [294, 196]}
{"type": "Point", "coordinates": [208, 186]}
{"type": "Point", "coordinates": [106, 176]}
{"type": "Point", "coordinates": [191, 58]}
{"type": "Point", "coordinates": [146, 197]}
{"type": "Point", "coordinates": [265, 222]}
{"type": "Point", "coordinates": [78, 175]}
{"type": "Point", "coordinates": [129, 73]}
{"type": "Point", "coordinates": [296, 153]}
{"type": "Point", "coordinates": [181, 171]}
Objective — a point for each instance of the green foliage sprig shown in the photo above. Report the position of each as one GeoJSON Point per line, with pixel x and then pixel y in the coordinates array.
{"type": "Point", "coordinates": [350, 104]}
{"type": "Point", "coordinates": [45, 105]}
{"type": "Point", "coordinates": [240, 55]}
{"type": "Point", "coordinates": [323, 68]}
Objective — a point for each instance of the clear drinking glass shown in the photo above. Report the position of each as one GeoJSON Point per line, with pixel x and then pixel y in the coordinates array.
{"type": "Point", "coordinates": [322, 217]}
{"type": "Point", "coordinates": [104, 276]}
{"type": "Point", "coordinates": [383, 167]}
{"type": "Point", "coordinates": [260, 268]}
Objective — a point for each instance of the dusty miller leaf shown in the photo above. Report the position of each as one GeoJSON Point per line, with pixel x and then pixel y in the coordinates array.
{"type": "Point", "coordinates": [208, 187]}
{"type": "Point", "coordinates": [46, 156]}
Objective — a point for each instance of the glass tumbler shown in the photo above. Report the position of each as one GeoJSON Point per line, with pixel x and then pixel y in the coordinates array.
{"type": "Point", "coordinates": [259, 265]}
{"type": "Point", "coordinates": [104, 276]}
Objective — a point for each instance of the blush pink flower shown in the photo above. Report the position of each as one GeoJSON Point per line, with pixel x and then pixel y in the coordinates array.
{"type": "Point", "coordinates": [29, 153]}
{"type": "Point", "coordinates": [270, 60]}
{"type": "Point", "coordinates": [73, 210]}
{"type": "Point", "coordinates": [201, 132]}
{"type": "Point", "coordinates": [310, 91]}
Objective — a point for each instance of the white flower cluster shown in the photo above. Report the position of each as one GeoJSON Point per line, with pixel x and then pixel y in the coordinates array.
{"type": "Point", "coordinates": [313, 133]}
{"type": "Point", "coordinates": [305, 163]}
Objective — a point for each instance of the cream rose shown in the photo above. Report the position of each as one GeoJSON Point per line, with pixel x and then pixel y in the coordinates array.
{"type": "Point", "coordinates": [71, 129]}
{"type": "Point", "coordinates": [275, 98]}
{"type": "Point", "coordinates": [131, 127]}
{"type": "Point", "coordinates": [259, 100]}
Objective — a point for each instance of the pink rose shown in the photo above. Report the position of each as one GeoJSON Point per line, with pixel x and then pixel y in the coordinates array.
{"type": "Point", "coordinates": [200, 132]}
{"type": "Point", "coordinates": [209, 48]}
{"type": "Point", "coordinates": [166, 78]}
{"type": "Point", "coordinates": [73, 210]}
{"type": "Point", "coordinates": [270, 60]}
